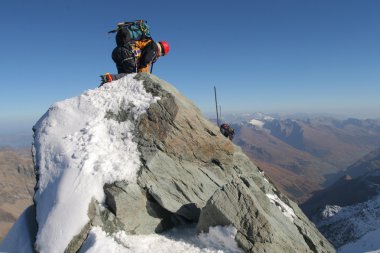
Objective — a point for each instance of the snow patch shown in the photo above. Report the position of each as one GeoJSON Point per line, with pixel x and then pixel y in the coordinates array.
{"type": "Point", "coordinates": [268, 118]}
{"type": "Point", "coordinates": [79, 147]}
{"type": "Point", "coordinates": [218, 240]}
{"type": "Point", "coordinates": [262, 116]}
{"type": "Point", "coordinates": [284, 208]}
{"type": "Point", "coordinates": [262, 173]}
{"type": "Point", "coordinates": [257, 123]}
{"type": "Point", "coordinates": [330, 210]}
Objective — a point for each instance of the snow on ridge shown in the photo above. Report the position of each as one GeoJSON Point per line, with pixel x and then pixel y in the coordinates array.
{"type": "Point", "coordinates": [78, 150]}
{"type": "Point", "coordinates": [284, 208]}
{"type": "Point", "coordinates": [262, 116]}
{"type": "Point", "coordinates": [330, 210]}
{"type": "Point", "coordinates": [259, 120]}
{"type": "Point", "coordinates": [256, 123]}
{"type": "Point", "coordinates": [219, 239]}
{"type": "Point", "coordinates": [268, 118]}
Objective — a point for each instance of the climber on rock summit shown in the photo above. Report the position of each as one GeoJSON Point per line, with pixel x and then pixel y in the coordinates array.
{"type": "Point", "coordinates": [135, 50]}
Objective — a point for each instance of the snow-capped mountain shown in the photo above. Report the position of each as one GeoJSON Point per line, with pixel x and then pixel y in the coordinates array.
{"type": "Point", "coordinates": [119, 167]}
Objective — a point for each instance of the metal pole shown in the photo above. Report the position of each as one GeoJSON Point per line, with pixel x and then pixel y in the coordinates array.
{"type": "Point", "coordinates": [220, 113]}
{"type": "Point", "coordinates": [216, 106]}
{"type": "Point", "coordinates": [151, 68]}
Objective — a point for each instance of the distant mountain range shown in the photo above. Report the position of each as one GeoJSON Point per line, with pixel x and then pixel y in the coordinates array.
{"type": "Point", "coordinates": [359, 183]}
{"type": "Point", "coordinates": [331, 166]}
{"type": "Point", "coordinates": [303, 155]}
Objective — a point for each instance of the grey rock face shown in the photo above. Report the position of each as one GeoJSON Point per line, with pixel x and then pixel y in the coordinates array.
{"type": "Point", "coordinates": [191, 173]}
{"type": "Point", "coordinates": [129, 200]}
{"type": "Point", "coordinates": [188, 166]}
{"type": "Point", "coordinates": [262, 227]}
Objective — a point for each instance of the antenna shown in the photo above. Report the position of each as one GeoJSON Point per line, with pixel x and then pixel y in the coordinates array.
{"type": "Point", "coordinates": [216, 106]}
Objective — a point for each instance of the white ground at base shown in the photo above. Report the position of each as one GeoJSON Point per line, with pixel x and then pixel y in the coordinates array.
{"type": "Point", "coordinates": [218, 240]}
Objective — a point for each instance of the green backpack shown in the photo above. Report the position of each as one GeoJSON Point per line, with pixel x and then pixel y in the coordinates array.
{"type": "Point", "coordinates": [131, 31]}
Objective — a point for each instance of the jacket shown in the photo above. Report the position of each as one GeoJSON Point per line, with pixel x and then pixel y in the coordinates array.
{"type": "Point", "coordinates": [135, 56]}
{"type": "Point", "coordinates": [147, 54]}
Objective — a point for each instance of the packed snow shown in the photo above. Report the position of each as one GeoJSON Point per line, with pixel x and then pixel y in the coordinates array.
{"type": "Point", "coordinates": [79, 147]}
{"type": "Point", "coordinates": [284, 208]}
{"type": "Point", "coordinates": [218, 240]}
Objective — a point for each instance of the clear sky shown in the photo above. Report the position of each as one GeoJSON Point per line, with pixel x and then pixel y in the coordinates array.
{"type": "Point", "coordinates": [263, 55]}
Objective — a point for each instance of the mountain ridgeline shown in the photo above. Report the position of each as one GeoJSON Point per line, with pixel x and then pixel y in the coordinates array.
{"type": "Point", "coordinates": [305, 155]}
{"type": "Point", "coordinates": [141, 159]}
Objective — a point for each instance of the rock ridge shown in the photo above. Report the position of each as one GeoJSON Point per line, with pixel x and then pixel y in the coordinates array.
{"type": "Point", "coordinates": [189, 173]}
{"type": "Point", "coordinates": [187, 162]}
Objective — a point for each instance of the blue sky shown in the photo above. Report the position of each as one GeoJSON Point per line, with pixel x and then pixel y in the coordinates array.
{"type": "Point", "coordinates": [269, 55]}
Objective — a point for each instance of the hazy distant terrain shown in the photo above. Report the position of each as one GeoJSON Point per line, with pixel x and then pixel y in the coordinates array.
{"type": "Point", "coordinates": [305, 155]}
{"type": "Point", "coordinates": [16, 185]}
{"type": "Point", "coordinates": [16, 140]}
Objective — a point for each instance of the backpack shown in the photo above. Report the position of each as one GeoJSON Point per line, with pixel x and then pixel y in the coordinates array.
{"type": "Point", "coordinates": [131, 31]}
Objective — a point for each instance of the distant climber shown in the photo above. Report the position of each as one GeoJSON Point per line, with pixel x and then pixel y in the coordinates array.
{"type": "Point", "coordinates": [227, 131]}
{"type": "Point", "coordinates": [135, 50]}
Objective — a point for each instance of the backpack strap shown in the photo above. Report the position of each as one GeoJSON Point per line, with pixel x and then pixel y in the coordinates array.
{"type": "Point", "coordinates": [144, 28]}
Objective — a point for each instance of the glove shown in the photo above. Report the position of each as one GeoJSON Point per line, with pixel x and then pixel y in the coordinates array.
{"type": "Point", "coordinates": [106, 78]}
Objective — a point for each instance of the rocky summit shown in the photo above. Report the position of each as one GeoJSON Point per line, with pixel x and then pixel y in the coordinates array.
{"type": "Point", "coordinates": [188, 173]}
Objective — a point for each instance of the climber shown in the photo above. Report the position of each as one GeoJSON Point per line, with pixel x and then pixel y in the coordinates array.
{"type": "Point", "coordinates": [137, 56]}
{"type": "Point", "coordinates": [227, 131]}
{"type": "Point", "coordinates": [135, 50]}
